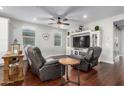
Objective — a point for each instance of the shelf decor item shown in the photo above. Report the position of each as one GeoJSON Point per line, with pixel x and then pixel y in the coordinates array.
{"type": "Point", "coordinates": [68, 33]}
{"type": "Point", "coordinates": [96, 28]}
{"type": "Point", "coordinates": [80, 28]}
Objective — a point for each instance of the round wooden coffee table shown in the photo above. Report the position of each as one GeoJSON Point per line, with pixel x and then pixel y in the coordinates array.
{"type": "Point", "coordinates": [70, 61]}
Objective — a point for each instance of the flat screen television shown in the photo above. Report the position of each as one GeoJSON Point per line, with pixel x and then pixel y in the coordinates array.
{"type": "Point", "coordinates": [81, 41]}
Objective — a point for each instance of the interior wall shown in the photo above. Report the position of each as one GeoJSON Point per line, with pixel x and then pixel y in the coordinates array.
{"type": "Point", "coordinates": [106, 26]}
{"type": "Point", "coordinates": [47, 46]}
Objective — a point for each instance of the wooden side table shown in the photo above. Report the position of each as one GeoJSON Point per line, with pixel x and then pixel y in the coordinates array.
{"type": "Point", "coordinates": [6, 71]}
{"type": "Point", "coordinates": [67, 62]}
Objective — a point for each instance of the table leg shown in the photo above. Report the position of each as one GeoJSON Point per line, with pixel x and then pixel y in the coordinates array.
{"type": "Point", "coordinates": [67, 77]}
{"type": "Point", "coordinates": [61, 75]}
{"type": "Point", "coordinates": [78, 76]}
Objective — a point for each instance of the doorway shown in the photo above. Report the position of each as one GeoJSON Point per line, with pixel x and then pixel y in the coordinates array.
{"type": "Point", "coordinates": [118, 50]}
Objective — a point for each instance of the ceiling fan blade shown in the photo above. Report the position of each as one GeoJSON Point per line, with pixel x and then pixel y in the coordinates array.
{"type": "Point", "coordinates": [45, 19]}
{"type": "Point", "coordinates": [51, 23]}
{"type": "Point", "coordinates": [75, 20]}
{"type": "Point", "coordinates": [52, 19]}
{"type": "Point", "coordinates": [65, 23]}
{"type": "Point", "coordinates": [42, 18]}
{"type": "Point", "coordinates": [47, 10]}
{"type": "Point", "coordinates": [70, 10]}
{"type": "Point", "coordinates": [65, 19]}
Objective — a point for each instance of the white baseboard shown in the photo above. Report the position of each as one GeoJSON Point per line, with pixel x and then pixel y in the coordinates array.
{"type": "Point", "coordinates": [55, 55]}
{"type": "Point", "coordinates": [106, 61]}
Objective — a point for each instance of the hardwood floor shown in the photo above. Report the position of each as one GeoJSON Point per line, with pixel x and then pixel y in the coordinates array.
{"type": "Point", "coordinates": [1, 72]}
{"type": "Point", "coordinates": [103, 74]}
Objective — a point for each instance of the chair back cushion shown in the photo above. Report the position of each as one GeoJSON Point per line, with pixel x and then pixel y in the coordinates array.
{"type": "Point", "coordinates": [26, 53]}
{"type": "Point", "coordinates": [89, 54]}
{"type": "Point", "coordinates": [39, 54]}
{"type": "Point", "coordinates": [96, 52]}
{"type": "Point", "coordinates": [34, 58]}
{"type": "Point", "coordinates": [93, 53]}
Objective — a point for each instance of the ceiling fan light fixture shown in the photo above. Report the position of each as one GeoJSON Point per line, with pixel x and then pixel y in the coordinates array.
{"type": "Point", "coordinates": [85, 16]}
{"type": "Point", "coordinates": [60, 26]}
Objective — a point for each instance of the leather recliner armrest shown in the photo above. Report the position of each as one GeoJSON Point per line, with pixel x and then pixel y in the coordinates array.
{"type": "Point", "coordinates": [51, 61]}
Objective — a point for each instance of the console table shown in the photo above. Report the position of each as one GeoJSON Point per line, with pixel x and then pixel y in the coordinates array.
{"type": "Point", "coordinates": [70, 61]}
{"type": "Point", "coordinates": [8, 76]}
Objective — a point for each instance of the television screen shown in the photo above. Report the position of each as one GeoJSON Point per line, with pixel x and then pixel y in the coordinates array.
{"type": "Point", "coordinates": [81, 41]}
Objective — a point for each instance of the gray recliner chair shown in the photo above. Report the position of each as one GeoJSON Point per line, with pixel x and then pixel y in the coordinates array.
{"type": "Point", "coordinates": [88, 61]}
{"type": "Point", "coordinates": [45, 69]}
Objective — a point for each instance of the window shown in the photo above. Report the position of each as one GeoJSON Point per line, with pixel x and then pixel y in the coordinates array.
{"type": "Point", "coordinates": [28, 37]}
{"type": "Point", "coordinates": [57, 39]}
{"type": "Point", "coordinates": [4, 38]}
{"type": "Point", "coordinates": [3, 34]}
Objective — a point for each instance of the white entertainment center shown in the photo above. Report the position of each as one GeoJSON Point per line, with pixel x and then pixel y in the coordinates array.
{"type": "Point", "coordinates": [95, 40]}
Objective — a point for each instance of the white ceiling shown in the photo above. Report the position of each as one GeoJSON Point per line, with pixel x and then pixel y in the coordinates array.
{"type": "Point", "coordinates": [73, 13]}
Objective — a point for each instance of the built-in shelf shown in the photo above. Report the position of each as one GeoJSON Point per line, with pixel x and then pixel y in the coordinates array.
{"type": "Point", "coordinates": [95, 40]}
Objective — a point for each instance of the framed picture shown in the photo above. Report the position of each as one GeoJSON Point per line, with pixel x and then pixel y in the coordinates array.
{"type": "Point", "coordinates": [45, 36]}
{"type": "Point", "coordinates": [15, 48]}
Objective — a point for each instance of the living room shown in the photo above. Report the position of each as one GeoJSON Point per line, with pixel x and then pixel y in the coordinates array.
{"type": "Point", "coordinates": [45, 45]}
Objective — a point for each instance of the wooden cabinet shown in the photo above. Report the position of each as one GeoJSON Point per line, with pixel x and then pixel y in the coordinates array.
{"type": "Point", "coordinates": [12, 75]}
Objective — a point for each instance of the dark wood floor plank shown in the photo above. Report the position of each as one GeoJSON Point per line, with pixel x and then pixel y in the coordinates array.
{"type": "Point", "coordinates": [103, 74]}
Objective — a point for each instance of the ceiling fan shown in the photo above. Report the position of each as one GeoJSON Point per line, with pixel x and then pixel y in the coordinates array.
{"type": "Point", "coordinates": [59, 21]}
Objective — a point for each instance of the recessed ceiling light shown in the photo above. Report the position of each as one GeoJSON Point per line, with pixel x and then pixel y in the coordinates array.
{"type": "Point", "coordinates": [35, 19]}
{"type": "Point", "coordinates": [1, 8]}
{"type": "Point", "coordinates": [84, 16]}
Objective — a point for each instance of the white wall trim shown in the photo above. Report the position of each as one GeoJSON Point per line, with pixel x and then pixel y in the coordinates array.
{"type": "Point", "coordinates": [107, 61]}
{"type": "Point", "coordinates": [55, 55]}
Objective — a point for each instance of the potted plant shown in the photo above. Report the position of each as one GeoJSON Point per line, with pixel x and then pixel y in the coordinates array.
{"type": "Point", "coordinates": [96, 28]}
